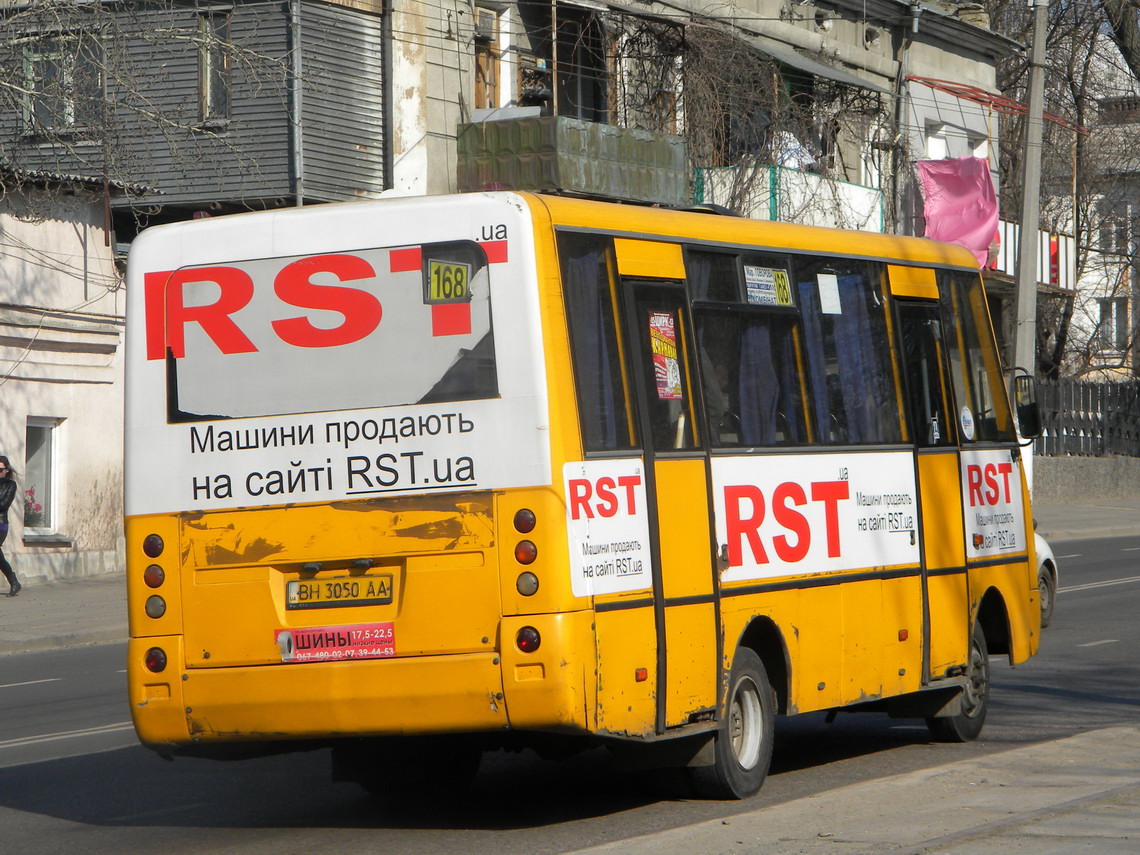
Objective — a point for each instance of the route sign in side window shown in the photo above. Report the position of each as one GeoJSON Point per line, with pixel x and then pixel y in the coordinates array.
{"type": "Point", "coordinates": [853, 386]}
{"type": "Point", "coordinates": [371, 327]}
{"type": "Point", "coordinates": [588, 285]}
{"type": "Point", "coordinates": [982, 409]}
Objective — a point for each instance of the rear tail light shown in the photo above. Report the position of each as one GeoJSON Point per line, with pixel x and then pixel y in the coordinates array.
{"type": "Point", "coordinates": [525, 521]}
{"type": "Point", "coordinates": [153, 546]}
{"type": "Point", "coordinates": [155, 660]}
{"type": "Point", "coordinates": [155, 606]}
{"type": "Point", "coordinates": [154, 576]}
{"type": "Point", "coordinates": [525, 552]}
{"type": "Point", "coordinates": [528, 639]}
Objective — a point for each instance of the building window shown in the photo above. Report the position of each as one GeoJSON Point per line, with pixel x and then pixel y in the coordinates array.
{"type": "Point", "coordinates": [937, 143]}
{"type": "Point", "coordinates": [40, 457]}
{"type": "Point", "coordinates": [1113, 326]}
{"type": "Point", "coordinates": [63, 83]}
{"type": "Point", "coordinates": [487, 58]}
{"type": "Point", "coordinates": [214, 66]}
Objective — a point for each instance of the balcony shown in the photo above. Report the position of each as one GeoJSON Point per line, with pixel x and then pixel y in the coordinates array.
{"type": "Point", "coordinates": [790, 196]}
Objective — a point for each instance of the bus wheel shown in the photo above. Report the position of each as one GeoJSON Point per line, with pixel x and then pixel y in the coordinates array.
{"type": "Point", "coordinates": [743, 744]}
{"type": "Point", "coordinates": [967, 723]}
{"type": "Point", "coordinates": [1046, 587]}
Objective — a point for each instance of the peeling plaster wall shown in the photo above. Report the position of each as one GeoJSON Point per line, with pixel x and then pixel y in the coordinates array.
{"type": "Point", "coordinates": [61, 358]}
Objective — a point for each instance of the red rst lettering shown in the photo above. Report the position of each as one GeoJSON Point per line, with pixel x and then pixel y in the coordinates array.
{"type": "Point", "coordinates": [792, 521]}
{"type": "Point", "coordinates": [580, 489]}
{"type": "Point", "coordinates": [1005, 469]}
{"type": "Point", "coordinates": [739, 528]}
{"type": "Point", "coordinates": [166, 316]}
{"type": "Point", "coordinates": [830, 492]}
{"type": "Point", "coordinates": [361, 310]}
{"type": "Point", "coordinates": [991, 494]}
{"type": "Point", "coordinates": [974, 484]}
{"type": "Point", "coordinates": [630, 482]}
{"type": "Point", "coordinates": [608, 505]}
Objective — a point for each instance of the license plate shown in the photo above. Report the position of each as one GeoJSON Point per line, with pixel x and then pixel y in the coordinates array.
{"type": "Point", "coordinates": [336, 643]}
{"type": "Point", "coordinates": [339, 591]}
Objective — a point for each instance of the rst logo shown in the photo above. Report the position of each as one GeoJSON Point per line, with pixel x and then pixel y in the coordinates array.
{"type": "Point", "coordinates": [603, 497]}
{"type": "Point", "coordinates": [167, 313]}
{"type": "Point", "coordinates": [988, 484]}
{"type": "Point", "coordinates": [814, 513]}
{"type": "Point", "coordinates": [745, 510]}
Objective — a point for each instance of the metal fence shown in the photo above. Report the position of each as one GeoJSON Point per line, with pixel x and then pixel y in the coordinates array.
{"type": "Point", "coordinates": [1089, 418]}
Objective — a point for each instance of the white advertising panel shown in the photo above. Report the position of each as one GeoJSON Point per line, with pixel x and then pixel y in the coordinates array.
{"type": "Point", "coordinates": [991, 503]}
{"type": "Point", "coordinates": [793, 514]}
{"type": "Point", "coordinates": [608, 526]}
{"type": "Point", "coordinates": [361, 361]}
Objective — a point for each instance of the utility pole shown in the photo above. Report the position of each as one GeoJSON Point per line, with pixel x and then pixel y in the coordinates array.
{"type": "Point", "coordinates": [1025, 332]}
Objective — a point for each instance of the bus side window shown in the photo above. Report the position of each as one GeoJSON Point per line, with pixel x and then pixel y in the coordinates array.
{"type": "Point", "coordinates": [588, 280]}
{"type": "Point", "coordinates": [750, 377]}
{"type": "Point", "coordinates": [852, 383]}
{"type": "Point", "coordinates": [975, 370]}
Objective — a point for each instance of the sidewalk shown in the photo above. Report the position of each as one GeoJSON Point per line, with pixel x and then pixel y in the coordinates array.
{"type": "Point", "coordinates": [1080, 794]}
{"type": "Point", "coordinates": [1089, 518]}
{"type": "Point", "coordinates": [64, 613]}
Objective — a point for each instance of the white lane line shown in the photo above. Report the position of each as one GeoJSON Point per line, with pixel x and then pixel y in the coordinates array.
{"type": "Point", "coordinates": [31, 683]}
{"type": "Point", "coordinates": [1098, 643]}
{"type": "Point", "coordinates": [1131, 549]}
{"type": "Point", "coordinates": [1073, 555]}
{"type": "Point", "coordinates": [1092, 585]}
{"type": "Point", "coordinates": [117, 727]}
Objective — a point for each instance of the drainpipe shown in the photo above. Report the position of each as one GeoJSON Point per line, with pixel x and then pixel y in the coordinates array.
{"type": "Point", "coordinates": [295, 104]}
{"type": "Point", "coordinates": [387, 85]}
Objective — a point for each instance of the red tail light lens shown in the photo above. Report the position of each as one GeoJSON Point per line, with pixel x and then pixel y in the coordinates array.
{"type": "Point", "coordinates": [155, 660]}
{"type": "Point", "coordinates": [525, 521]}
{"type": "Point", "coordinates": [528, 639]}
{"type": "Point", "coordinates": [525, 552]}
{"type": "Point", "coordinates": [154, 576]}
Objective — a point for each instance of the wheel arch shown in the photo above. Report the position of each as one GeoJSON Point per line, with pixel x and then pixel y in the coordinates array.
{"type": "Point", "coordinates": [764, 638]}
{"type": "Point", "coordinates": [993, 617]}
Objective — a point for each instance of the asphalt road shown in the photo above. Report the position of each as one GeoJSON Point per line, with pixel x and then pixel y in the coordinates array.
{"type": "Point", "coordinates": [73, 779]}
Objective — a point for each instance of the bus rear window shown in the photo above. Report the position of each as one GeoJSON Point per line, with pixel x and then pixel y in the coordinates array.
{"type": "Point", "coordinates": [369, 328]}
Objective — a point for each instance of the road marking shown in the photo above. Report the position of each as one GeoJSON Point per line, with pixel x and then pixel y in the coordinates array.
{"type": "Point", "coordinates": [1072, 555]}
{"type": "Point", "coordinates": [1131, 549]}
{"type": "Point", "coordinates": [1098, 643]}
{"type": "Point", "coordinates": [117, 727]}
{"type": "Point", "coordinates": [1092, 585]}
{"type": "Point", "coordinates": [30, 683]}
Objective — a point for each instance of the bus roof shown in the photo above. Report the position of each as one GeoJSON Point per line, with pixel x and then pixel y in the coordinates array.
{"type": "Point", "coordinates": [705, 227]}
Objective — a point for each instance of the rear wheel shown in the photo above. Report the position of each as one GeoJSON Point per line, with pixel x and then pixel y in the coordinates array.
{"type": "Point", "coordinates": [743, 743]}
{"type": "Point", "coordinates": [967, 723]}
{"type": "Point", "coordinates": [1047, 588]}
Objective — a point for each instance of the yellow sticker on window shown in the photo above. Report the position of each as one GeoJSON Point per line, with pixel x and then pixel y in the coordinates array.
{"type": "Point", "coordinates": [448, 282]}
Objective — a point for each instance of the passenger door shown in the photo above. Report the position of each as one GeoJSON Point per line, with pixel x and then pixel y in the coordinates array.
{"type": "Point", "coordinates": [946, 607]}
{"type": "Point", "coordinates": [657, 334]}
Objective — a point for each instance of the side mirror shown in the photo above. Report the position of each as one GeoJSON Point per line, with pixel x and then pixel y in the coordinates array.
{"type": "Point", "coordinates": [1025, 399]}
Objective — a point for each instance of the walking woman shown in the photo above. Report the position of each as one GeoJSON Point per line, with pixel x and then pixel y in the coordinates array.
{"type": "Point", "coordinates": [7, 494]}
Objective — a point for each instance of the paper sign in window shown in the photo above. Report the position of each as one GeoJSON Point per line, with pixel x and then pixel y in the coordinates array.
{"type": "Point", "coordinates": [666, 367]}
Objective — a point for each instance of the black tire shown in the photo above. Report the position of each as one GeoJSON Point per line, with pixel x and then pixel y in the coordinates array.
{"type": "Point", "coordinates": [1047, 588]}
{"type": "Point", "coordinates": [966, 725]}
{"type": "Point", "coordinates": [743, 742]}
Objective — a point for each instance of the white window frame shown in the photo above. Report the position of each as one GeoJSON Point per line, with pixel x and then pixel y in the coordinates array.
{"type": "Point", "coordinates": [54, 447]}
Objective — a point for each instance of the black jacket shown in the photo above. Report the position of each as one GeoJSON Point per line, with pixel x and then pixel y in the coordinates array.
{"type": "Point", "coordinates": [7, 494]}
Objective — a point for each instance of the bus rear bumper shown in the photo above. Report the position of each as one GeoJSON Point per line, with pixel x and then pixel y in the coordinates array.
{"type": "Point", "coordinates": [311, 701]}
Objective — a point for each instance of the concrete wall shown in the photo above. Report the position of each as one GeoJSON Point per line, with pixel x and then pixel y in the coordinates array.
{"type": "Point", "coordinates": [1060, 479]}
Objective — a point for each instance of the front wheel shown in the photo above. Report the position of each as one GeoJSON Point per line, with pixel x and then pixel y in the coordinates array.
{"type": "Point", "coordinates": [1047, 589]}
{"type": "Point", "coordinates": [743, 742]}
{"type": "Point", "coordinates": [966, 724]}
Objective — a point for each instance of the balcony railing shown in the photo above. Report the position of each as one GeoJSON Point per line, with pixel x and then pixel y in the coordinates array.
{"type": "Point", "coordinates": [1056, 256]}
{"type": "Point", "coordinates": [791, 196]}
